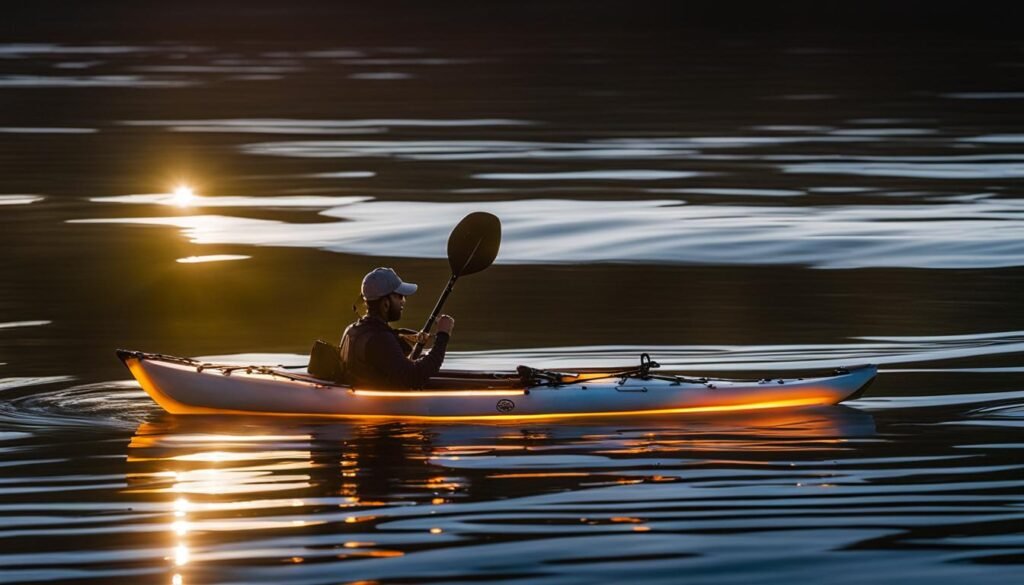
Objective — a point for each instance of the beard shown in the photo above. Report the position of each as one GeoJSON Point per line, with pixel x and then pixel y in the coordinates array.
{"type": "Point", "coordinates": [394, 312]}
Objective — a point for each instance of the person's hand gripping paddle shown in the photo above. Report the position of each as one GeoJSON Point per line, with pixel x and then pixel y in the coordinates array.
{"type": "Point", "coordinates": [472, 246]}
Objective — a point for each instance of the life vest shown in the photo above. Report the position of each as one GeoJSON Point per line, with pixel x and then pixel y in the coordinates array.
{"type": "Point", "coordinates": [355, 367]}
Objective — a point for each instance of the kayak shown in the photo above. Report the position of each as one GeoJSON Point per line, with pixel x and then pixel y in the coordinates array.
{"type": "Point", "coordinates": [191, 387]}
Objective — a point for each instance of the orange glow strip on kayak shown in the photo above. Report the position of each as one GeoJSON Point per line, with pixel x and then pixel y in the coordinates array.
{"type": "Point", "coordinates": [535, 475]}
{"type": "Point", "coordinates": [423, 393]}
{"type": "Point", "coordinates": [815, 401]}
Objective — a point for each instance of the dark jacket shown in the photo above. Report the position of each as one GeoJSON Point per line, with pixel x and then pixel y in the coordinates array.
{"type": "Point", "coordinates": [375, 357]}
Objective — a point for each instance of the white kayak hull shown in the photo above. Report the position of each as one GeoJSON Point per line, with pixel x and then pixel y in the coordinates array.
{"type": "Point", "coordinates": [183, 388]}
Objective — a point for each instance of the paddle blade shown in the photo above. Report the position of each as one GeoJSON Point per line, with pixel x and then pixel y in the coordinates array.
{"type": "Point", "coordinates": [473, 244]}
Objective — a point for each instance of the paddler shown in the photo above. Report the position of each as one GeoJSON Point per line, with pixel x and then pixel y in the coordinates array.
{"type": "Point", "coordinates": [373, 354]}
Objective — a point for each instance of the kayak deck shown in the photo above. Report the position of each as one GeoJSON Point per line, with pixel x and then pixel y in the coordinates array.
{"type": "Point", "coordinates": [185, 386]}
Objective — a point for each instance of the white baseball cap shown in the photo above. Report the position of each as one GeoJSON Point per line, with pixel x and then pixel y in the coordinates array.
{"type": "Point", "coordinates": [381, 282]}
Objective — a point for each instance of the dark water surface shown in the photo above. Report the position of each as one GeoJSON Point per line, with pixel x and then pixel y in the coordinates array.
{"type": "Point", "coordinates": [729, 203]}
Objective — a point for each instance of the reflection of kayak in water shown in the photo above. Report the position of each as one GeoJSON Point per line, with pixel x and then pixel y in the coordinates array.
{"type": "Point", "coordinates": [188, 433]}
{"type": "Point", "coordinates": [708, 431]}
{"type": "Point", "coordinates": [185, 386]}
{"type": "Point", "coordinates": [223, 455]}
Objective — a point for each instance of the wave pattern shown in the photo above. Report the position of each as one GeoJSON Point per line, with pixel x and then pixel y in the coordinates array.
{"type": "Point", "coordinates": [989, 232]}
{"type": "Point", "coordinates": [96, 484]}
{"type": "Point", "coordinates": [590, 153]}
{"type": "Point", "coordinates": [661, 186]}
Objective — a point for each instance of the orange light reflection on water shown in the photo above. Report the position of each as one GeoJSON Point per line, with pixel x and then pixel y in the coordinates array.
{"type": "Point", "coordinates": [186, 467]}
{"type": "Point", "coordinates": [539, 475]}
{"type": "Point", "coordinates": [209, 476]}
{"type": "Point", "coordinates": [207, 438]}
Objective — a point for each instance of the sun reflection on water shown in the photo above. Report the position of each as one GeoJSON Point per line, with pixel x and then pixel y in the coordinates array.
{"type": "Point", "coordinates": [183, 195]}
{"type": "Point", "coordinates": [179, 529]}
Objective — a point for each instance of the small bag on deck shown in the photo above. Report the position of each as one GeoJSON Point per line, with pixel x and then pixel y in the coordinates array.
{"type": "Point", "coordinates": [325, 361]}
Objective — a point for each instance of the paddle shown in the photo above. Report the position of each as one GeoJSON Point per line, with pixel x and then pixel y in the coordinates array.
{"type": "Point", "coordinates": [472, 247]}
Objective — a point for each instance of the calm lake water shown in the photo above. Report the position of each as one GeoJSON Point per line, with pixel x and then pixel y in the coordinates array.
{"type": "Point", "coordinates": [730, 204]}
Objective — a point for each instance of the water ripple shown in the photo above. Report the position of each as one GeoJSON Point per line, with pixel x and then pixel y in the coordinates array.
{"type": "Point", "coordinates": [511, 149]}
{"type": "Point", "coordinates": [997, 139]}
{"type": "Point", "coordinates": [246, 500]}
{"type": "Point", "coordinates": [986, 95]}
{"type": "Point", "coordinates": [615, 175]}
{"type": "Point", "coordinates": [36, 49]}
{"type": "Point", "coordinates": [382, 76]}
{"type": "Point", "coordinates": [14, 324]}
{"type": "Point", "coordinates": [46, 130]}
{"type": "Point", "coordinates": [318, 126]}
{"type": "Point", "coordinates": [989, 170]}
{"type": "Point", "coordinates": [35, 81]}
{"type": "Point", "coordinates": [201, 201]}
{"type": "Point", "coordinates": [974, 233]}
{"type": "Point", "coordinates": [20, 199]}
{"type": "Point", "coordinates": [110, 405]}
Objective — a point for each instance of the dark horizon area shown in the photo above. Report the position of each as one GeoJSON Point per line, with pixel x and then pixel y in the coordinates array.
{"type": "Point", "coordinates": [488, 22]}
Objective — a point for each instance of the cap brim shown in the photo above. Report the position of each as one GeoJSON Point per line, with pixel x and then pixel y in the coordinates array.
{"type": "Point", "coordinates": [406, 288]}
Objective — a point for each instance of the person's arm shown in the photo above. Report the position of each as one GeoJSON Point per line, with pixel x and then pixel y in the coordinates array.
{"type": "Point", "coordinates": [384, 352]}
{"type": "Point", "coordinates": [411, 336]}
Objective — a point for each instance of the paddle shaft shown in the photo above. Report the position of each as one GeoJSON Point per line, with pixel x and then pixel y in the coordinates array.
{"type": "Point", "coordinates": [418, 348]}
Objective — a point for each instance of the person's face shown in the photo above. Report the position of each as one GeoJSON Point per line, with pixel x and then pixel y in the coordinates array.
{"type": "Point", "coordinates": [396, 304]}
